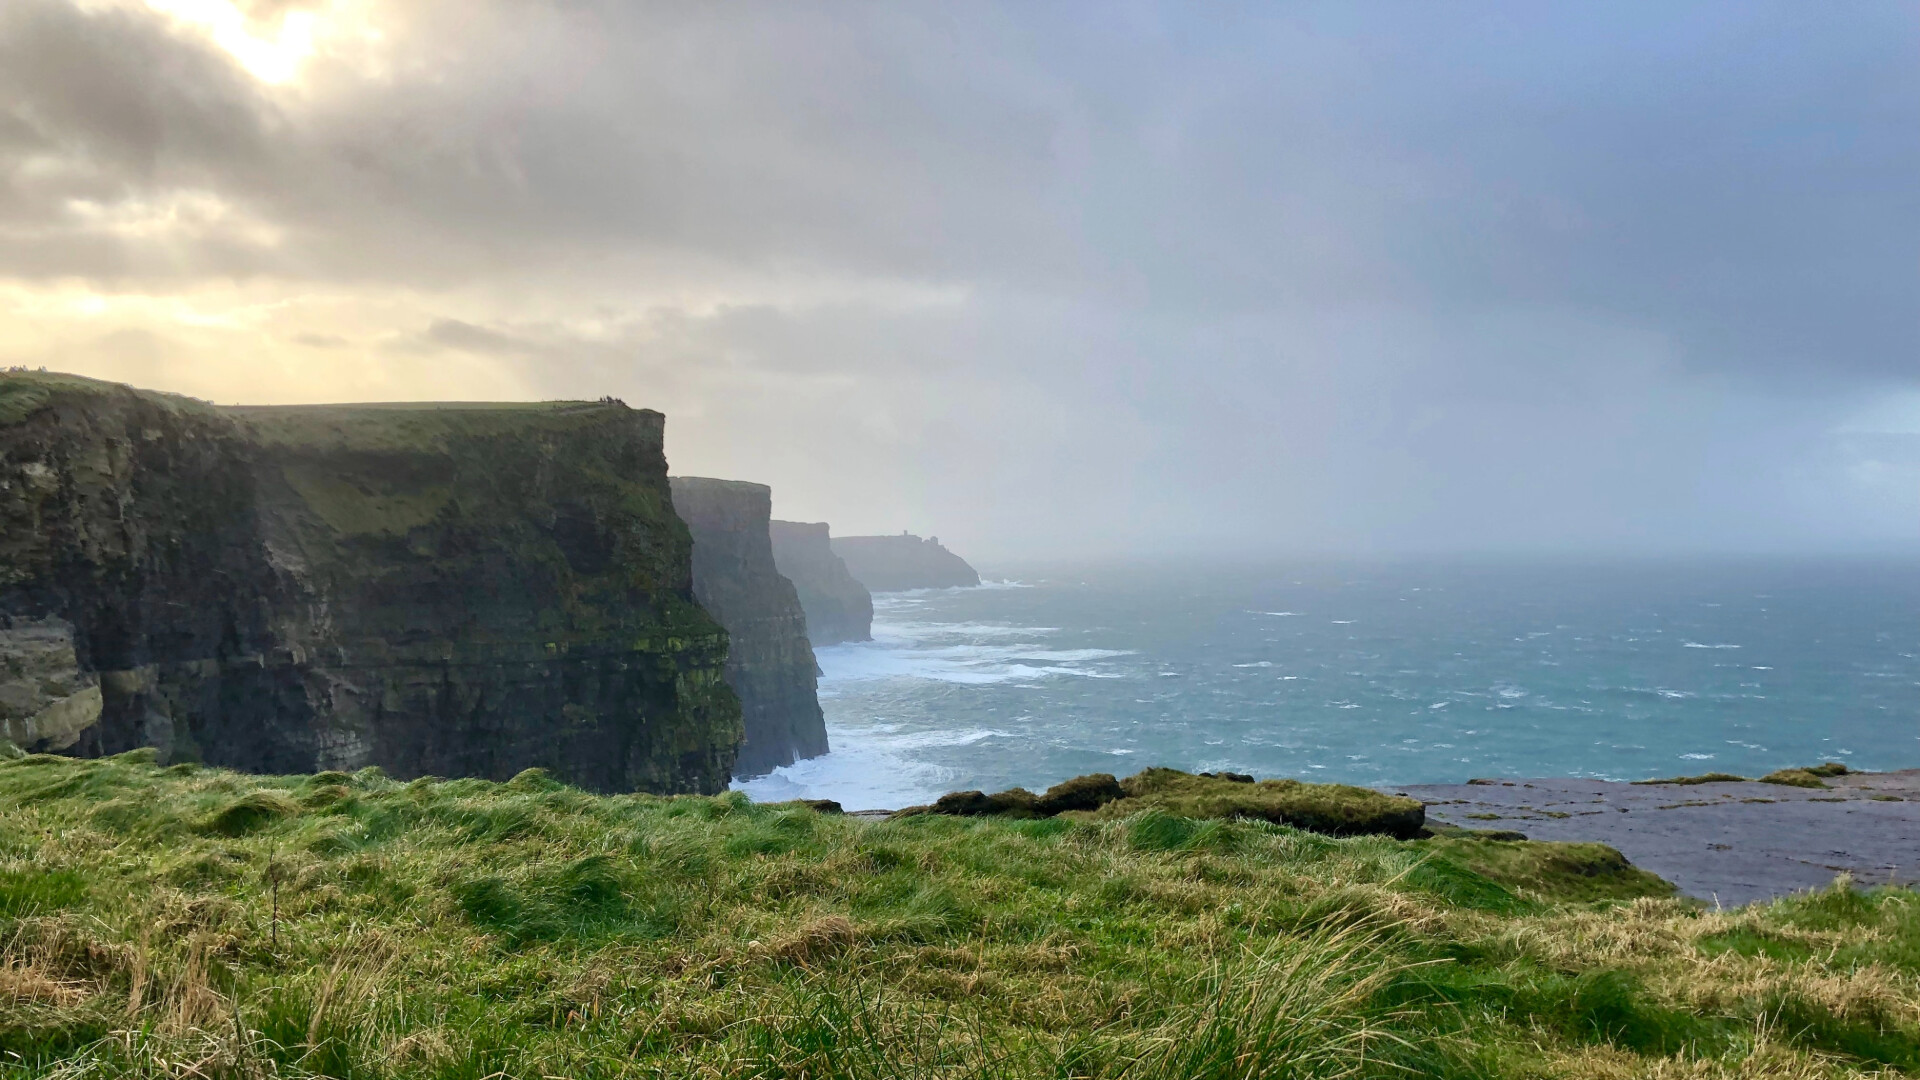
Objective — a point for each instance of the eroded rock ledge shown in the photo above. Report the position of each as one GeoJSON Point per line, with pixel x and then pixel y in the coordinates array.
{"type": "Point", "coordinates": [770, 662]}
{"type": "Point", "coordinates": [895, 563]}
{"type": "Point", "coordinates": [465, 590]}
{"type": "Point", "coordinates": [839, 608]}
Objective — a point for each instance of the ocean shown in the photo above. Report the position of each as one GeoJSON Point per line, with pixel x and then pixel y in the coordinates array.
{"type": "Point", "coordinates": [1376, 674]}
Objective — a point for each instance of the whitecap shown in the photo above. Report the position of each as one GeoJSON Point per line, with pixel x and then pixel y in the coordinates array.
{"type": "Point", "coordinates": [1698, 645]}
{"type": "Point", "coordinates": [866, 770]}
{"type": "Point", "coordinates": [1697, 757]}
{"type": "Point", "coordinates": [1257, 663]}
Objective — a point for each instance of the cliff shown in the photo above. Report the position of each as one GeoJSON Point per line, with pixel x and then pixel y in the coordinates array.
{"type": "Point", "coordinates": [838, 607]}
{"type": "Point", "coordinates": [465, 590]}
{"type": "Point", "coordinates": [891, 563]}
{"type": "Point", "coordinates": [770, 663]}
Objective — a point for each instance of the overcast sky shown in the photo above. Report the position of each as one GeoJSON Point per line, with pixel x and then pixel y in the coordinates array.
{"type": "Point", "coordinates": [1040, 278]}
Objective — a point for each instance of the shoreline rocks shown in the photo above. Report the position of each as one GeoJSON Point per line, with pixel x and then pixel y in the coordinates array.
{"type": "Point", "coordinates": [1730, 841]}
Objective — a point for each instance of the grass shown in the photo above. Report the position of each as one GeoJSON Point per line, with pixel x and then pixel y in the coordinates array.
{"type": "Point", "coordinates": [466, 929]}
{"type": "Point", "coordinates": [1812, 776]}
{"type": "Point", "coordinates": [1334, 809]}
{"type": "Point", "coordinates": [1703, 778]}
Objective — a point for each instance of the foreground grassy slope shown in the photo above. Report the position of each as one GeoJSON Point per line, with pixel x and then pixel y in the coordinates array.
{"type": "Point", "coordinates": [471, 929]}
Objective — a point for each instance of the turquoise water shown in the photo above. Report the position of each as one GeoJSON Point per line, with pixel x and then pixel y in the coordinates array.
{"type": "Point", "coordinates": [1383, 674]}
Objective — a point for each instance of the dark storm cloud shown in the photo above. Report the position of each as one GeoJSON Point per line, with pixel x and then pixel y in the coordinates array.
{"type": "Point", "coordinates": [1315, 274]}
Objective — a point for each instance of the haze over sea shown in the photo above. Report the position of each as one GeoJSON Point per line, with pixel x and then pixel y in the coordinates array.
{"type": "Point", "coordinates": [1382, 674]}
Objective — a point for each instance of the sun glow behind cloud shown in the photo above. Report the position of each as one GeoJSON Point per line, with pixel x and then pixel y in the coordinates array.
{"type": "Point", "coordinates": [274, 49]}
{"type": "Point", "coordinates": [273, 58]}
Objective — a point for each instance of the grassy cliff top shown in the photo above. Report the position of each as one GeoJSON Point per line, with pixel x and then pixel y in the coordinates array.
{"type": "Point", "coordinates": [394, 425]}
{"type": "Point", "coordinates": [421, 425]}
{"type": "Point", "coordinates": [24, 392]}
{"type": "Point", "coordinates": [183, 922]}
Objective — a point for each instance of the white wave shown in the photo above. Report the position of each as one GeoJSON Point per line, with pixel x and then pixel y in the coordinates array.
{"type": "Point", "coordinates": [1343, 622]}
{"type": "Point", "coordinates": [1275, 614]}
{"type": "Point", "coordinates": [904, 633]}
{"type": "Point", "coordinates": [1257, 663]}
{"type": "Point", "coordinates": [866, 771]}
{"type": "Point", "coordinates": [1697, 757]}
{"type": "Point", "coordinates": [967, 737]}
{"type": "Point", "coordinates": [1698, 645]}
{"type": "Point", "coordinates": [962, 653]}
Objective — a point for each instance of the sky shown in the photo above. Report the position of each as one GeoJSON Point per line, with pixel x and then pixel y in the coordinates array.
{"type": "Point", "coordinates": [1044, 279]}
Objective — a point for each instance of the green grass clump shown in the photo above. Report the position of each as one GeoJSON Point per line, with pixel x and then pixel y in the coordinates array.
{"type": "Point", "coordinates": [200, 923]}
{"type": "Point", "coordinates": [1812, 776]}
{"type": "Point", "coordinates": [1334, 809]}
{"type": "Point", "coordinates": [1703, 778]}
{"type": "Point", "coordinates": [1794, 778]}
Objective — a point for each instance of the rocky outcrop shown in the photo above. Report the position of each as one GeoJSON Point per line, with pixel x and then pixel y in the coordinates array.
{"type": "Point", "coordinates": [770, 661]}
{"type": "Point", "coordinates": [465, 590]}
{"type": "Point", "coordinates": [838, 607]}
{"type": "Point", "coordinates": [893, 563]}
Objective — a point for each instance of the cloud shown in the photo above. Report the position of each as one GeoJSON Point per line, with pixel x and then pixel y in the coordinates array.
{"type": "Point", "coordinates": [1068, 277]}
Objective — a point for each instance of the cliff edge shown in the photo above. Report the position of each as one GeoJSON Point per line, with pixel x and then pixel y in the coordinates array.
{"type": "Point", "coordinates": [892, 563]}
{"type": "Point", "coordinates": [455, 589]}
{"type": "Point", "coordinates": [838, 607]}
{"type": "Point", "coordinates": [770, 662]}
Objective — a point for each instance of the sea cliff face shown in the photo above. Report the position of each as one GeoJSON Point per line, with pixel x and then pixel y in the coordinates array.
{"type": "Point", "coordinates": [770, 662]}
{"type": "Point", "coordinates": [838, 607]}
{"type": "Point", "coordinates": [464, 590]}
{"type": "Point", "coordinates": [892, 563]}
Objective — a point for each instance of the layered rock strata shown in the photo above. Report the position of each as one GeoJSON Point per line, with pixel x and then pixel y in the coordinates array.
{"type": "Point", "coordinates": [894, 563]}
{"type": "Point", "coordinates": [770, 662]}
{"type": "Point", "coordinates": [463, 590]}
{"type": "Point", "coordinates": [838, 607]}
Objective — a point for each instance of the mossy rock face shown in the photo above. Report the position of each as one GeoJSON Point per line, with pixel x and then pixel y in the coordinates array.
{"type": "Point", "coordinates": [1802, 778]}
{"type": "Point", "coordinates": [1089, 792]}
{"type": "Point", "coordinates": [460, 589]}
{"type": "Point", "coordinates": [1334, 809]}
{"type": "Point", "coordinates": [1017, 802]}
{"type": "Point", "coordinates": [1703, 778]}
{"type": "Point", "coordinates": [1548, 870]}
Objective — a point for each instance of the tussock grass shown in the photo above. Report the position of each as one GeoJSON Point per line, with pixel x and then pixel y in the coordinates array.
{"type": "Point", "coordinates": [465, 929]}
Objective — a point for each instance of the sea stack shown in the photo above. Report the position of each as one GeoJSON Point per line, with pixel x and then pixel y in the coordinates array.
{"type": "Point", "coordinates": [770, 661]}
{"type": "Point", "coordinates": [894, 563]}
{"type": "Point", "coordinates": [838, 607]}
{"type": "Point", "coordinates": [453, 589]}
